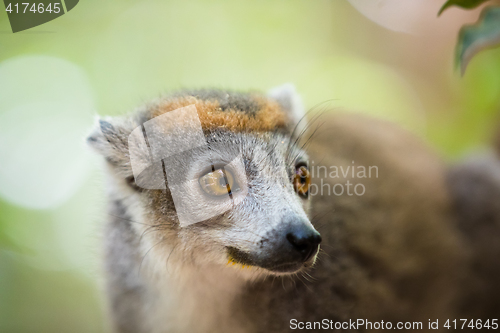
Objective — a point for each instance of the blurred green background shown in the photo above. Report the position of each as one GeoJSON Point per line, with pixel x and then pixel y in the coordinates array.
{"type": "Point", "coordinates": [107, 57]}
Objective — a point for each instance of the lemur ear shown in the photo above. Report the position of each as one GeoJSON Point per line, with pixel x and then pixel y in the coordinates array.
{"type": "Point", "coordinates": [109, 138]}
{"type": "Point", "coordinates": [290, 101]}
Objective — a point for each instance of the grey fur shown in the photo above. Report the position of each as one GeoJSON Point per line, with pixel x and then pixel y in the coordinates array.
{"type": "Point", "coordinates": [406, 250]}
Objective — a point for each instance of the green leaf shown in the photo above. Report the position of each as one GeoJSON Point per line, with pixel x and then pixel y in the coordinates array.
{"type": "Point", "coordinates": [474, 38]}
{"type": "Point", "coordinates": [468, 4]}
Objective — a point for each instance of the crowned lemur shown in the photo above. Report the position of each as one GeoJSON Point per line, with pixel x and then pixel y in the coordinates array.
{"type": "Point", "coordinates": [295, 243]}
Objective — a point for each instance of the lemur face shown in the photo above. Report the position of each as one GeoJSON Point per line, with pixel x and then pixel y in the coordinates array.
{"type": "Point", "coordinates": [266, 224]}
{"type": "Point", "coordinates": [251, 178]}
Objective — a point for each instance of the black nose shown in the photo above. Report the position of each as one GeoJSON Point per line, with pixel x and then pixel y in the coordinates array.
{"type": "Point", "coordinates": [306, 242]}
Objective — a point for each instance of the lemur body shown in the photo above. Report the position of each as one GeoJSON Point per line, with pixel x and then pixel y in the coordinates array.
{"type": "Point", "coordinates": [396, 253]}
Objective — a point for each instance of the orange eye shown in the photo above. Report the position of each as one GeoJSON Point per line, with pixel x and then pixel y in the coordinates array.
{"type": "Point", "coordinates": [302, 181]}
{"type": "Point", "coordinates": [217, 183]}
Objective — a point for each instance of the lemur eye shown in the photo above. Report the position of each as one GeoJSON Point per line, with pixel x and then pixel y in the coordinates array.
{"type": "Point", "coordinates": [302, 180]}
{"type": "Point", "coordinates": [218, 182]}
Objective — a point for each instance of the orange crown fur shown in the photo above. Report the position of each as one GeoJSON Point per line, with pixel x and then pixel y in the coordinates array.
{"type": "Point", "coordinates": [270, 115]}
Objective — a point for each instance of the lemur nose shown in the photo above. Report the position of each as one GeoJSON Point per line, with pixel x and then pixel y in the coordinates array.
{"type": "Point", "coordinates": [306, 242]}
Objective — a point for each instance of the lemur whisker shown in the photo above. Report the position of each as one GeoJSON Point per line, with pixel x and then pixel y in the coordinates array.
{"type": "Point", "coordinates": [323, 251]}
{"type": "Point", "coordinates": [302, 118]}
{"type": "Point", "coordinates": [293, 280]}
{"type": "Point", "coordinates": [144, 257]}
{"type": "Point", "coordinates": [168, 258]}
{"type": "Point", "coordinates": [296, 127]}
{"type": "Point", "coordinates": [312, 277]}
{"type": "Point", "coordinates": [305, 284]}
{"type": "Point", "coordinates": [311, 136]}
{"type": "Point", "coordinates": [303, 147]}
{"type": "Point", "coordinates": [293, 145]}
{"type": "Point", "coordinates": [315, 217]}
{"type": "Point", "coordinates": [298, 138]}
{"type": "Point", "coordinates": [309, 125]}
{"type": "Point", "coordinates": [305, 278]}
{"type": "Point", "coordinates": [150, 230]}
{"type": "Point", "coordinates": [320, 161]}
{"type": "Point", "coordinates": [298, 123]}
{"type": "Point", "coordinates": [299, 278]}
{"type": "Point", "coordinates": [330, 255]}
{"type": "Point", "coordinates": [283, 283]}
{"type": "Point", "coordinates": [317, 221]}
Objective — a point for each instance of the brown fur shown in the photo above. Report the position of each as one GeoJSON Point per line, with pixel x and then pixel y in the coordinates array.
{"type": "Point", "coordinates": [420, 244]}
{"type": "Point", "coordinates": [269, 117]}
{"type": "Point", "coordinates": [393, 254]}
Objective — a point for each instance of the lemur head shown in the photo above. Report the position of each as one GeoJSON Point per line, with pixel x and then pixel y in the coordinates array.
{"type": "Point", "coordinates": [239, 197]}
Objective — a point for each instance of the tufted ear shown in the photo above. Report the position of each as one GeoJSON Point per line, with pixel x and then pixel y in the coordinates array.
{"type": "Point", "coordinates": [109, 138]}
{"type": "Point", "coordinates": [290, 101]}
